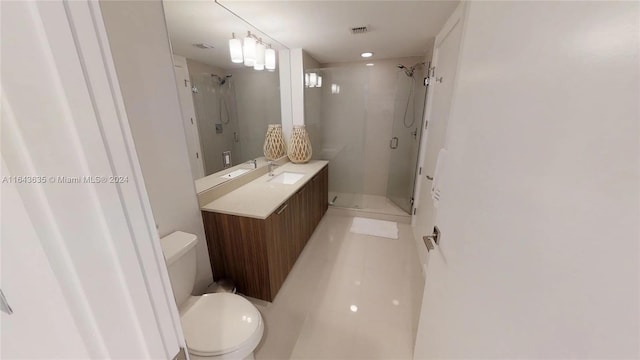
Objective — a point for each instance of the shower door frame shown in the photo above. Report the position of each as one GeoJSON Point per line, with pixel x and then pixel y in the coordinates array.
{"type": "Point", "coordinates": [416, 167]}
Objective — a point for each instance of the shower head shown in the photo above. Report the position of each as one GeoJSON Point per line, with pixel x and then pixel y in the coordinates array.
{"type": "Point", "coordinates": [224, 80]}
{"type": "Point", "coordinates": [221, 80]}
{"type": "Point", "coordinates": [409, 70]}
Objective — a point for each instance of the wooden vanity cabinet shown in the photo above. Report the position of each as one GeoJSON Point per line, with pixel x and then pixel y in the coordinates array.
{"type": "Point", "coordinates": [258, 254]}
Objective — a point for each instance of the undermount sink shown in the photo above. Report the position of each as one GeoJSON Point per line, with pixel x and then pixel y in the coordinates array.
{"type": "Point", "coordinates": [234, 173]}
{"type": "Point", "coordinates": [287, 178]}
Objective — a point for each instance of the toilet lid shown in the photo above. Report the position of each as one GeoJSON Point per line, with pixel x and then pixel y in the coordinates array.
{"type": "Point", "coordinates": [219, 323]}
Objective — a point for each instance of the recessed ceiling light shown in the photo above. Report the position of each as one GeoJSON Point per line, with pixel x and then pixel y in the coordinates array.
{"type": "Point", "coordinates": [366, 54]}
{"type": "Point", "coordinates": [369, 64]}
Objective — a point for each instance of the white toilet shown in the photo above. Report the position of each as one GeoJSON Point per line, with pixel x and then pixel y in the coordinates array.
{"type": "Point", "coordinates": [216, 326]}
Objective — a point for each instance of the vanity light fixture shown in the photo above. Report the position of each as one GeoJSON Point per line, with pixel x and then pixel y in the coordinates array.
{"type": "Point", "coordinates": [369, 64]}
{"type": "Point", "coordinates": [252, 52]}
{"type": "Point", "coordinates": [366, 54]}
{"type": "Point", "coordinates": [312, 80]}
{"type": "Point", "coordinates": [235, 49]}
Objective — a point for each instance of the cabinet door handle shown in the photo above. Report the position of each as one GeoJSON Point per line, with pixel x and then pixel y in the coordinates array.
{"type": "Point", "coordinates": [282, 209]}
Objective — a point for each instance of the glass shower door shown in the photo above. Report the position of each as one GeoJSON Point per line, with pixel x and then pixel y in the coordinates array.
{"type": "Point", "coordinates": [405, 139]}
{"type": "Point", "coordinates": [335, 117]}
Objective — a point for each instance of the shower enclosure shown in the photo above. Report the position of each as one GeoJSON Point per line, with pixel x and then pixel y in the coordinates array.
{"type": "Point", "coordinates": [367, 121]}
{"type": "Point", "coordinates": [215, 107]}
{"type": "Point", "coordinates": [408, 112]}
{"type": "Point", "coordinates": [233, 112]}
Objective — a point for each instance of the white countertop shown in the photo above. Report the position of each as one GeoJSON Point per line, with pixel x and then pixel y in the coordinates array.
{"type": "Point", "coordinates": [216, 179]}
{"type": "Point", "coordinates": [260, 198]}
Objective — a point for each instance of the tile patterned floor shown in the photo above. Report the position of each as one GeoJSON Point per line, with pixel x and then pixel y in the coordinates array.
{"type": "Point", "coordinates": [349, 296]}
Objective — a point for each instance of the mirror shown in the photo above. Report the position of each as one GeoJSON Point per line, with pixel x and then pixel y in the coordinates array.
{"type": "Point", "coordinates": [231, 104]}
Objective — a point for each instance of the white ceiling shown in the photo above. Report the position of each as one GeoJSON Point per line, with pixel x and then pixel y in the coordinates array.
{"type": "Point", "coordinates": [322, 28]}
{"type": "Point", "coordinates": [190, 22]}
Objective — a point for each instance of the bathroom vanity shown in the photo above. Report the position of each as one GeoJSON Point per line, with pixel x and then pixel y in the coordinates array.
{"type": "Point", "coordinates": [256, 232]}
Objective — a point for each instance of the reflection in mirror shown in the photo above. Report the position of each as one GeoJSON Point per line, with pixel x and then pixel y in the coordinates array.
{"type": "Point", "coordinates": [231, 104]}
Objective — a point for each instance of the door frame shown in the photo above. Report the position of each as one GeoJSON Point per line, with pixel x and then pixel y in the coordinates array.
{"type": "Point", "coordinates": [187, 108]}
{"type": "Point", "coordinates": [420, 222]}
{"type": "Point", "coordinates": [422, 142]}
{"type": "Point", "coordinates": [456, 17]}
{"type": "Point", "coordinates": [107, 259]}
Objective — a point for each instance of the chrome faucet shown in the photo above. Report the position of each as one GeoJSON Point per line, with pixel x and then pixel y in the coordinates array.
{"type": "Point", "coordinates": [253, 163]}
{"type": "Point", "coordinates": [271, 166]}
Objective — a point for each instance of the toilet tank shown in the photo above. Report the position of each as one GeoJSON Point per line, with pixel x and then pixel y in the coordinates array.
{"type": "Point", "coordinates": [179, 249]}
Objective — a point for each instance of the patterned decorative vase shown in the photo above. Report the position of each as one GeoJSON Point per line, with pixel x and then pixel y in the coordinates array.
{"type": "Point", "coordinates": [274, 145]}
{"type": "Point", "coordinates": [300, 146]}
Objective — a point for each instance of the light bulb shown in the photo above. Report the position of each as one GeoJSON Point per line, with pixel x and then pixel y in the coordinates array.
{"type": "Point", "coordinates": [313, 80]}
{"type": "Point", "coordinates": [249, 50]}
{"type": "Point", "coordinates": [235, 50]}
{"type": "Point", "coordinates": [270, 59]}
{"type": "Point", "coordinates": [260, 52]}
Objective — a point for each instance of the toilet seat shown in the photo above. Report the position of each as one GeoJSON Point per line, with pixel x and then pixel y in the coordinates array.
{"type": "Point", "coordinates": [221, 323]}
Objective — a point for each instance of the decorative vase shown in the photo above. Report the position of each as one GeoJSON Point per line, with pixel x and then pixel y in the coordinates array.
{"type": "Point", "coordinates": [274, 145]}
{"type": "Point", "coordinates": [300, 146]}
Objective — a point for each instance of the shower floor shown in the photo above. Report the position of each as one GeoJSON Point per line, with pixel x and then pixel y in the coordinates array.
{"type": "Point", "coordinates": [366, 203]}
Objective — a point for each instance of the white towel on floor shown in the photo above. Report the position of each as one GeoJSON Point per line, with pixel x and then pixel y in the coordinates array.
{"type": "Point", "coordinates": [386, 229]}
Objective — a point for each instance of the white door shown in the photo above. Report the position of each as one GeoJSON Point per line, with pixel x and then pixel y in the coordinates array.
{"type": "Point", "coordinates": [188, 116]}
{"type": "Point", "coordinates": [39, 311]}
{"type": "Point", "coordinates": [445, 60]}
{"type": "Point", "coordinates": [539, 212]}
{"type": "Point", "coordinates": [81, 259]}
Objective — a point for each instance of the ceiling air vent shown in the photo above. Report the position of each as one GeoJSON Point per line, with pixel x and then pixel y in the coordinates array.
{"type": "Point", "coordinates": [359, 30]}
{"type": "Point", "coordinates": [203, 46]}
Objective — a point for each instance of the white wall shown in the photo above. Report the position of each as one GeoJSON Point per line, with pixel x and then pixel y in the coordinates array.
{"type": "Point", "coordinates": [539, 256]}
{"type": "Point", "coordinates": [143, 60]}
{"type": "Point", "coordinates": [312, 107]}
{"type": "Point", "coordinates": [342, 127]}
{"type": "Point", "coordinates": [257, 99]}
{"type": "Point", "coordinates": [286, 92]}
